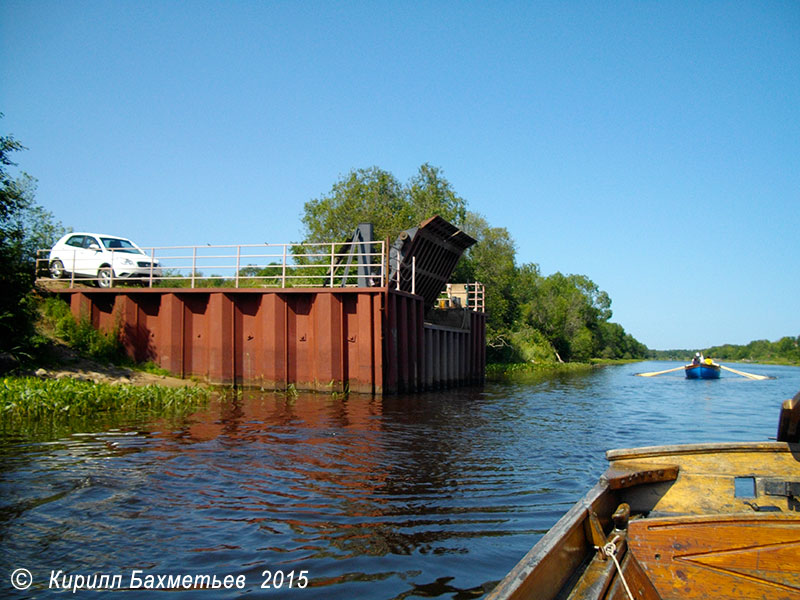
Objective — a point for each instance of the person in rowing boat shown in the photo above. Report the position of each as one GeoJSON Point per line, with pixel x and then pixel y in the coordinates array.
{"type": "Point", "coordinates": [698, 358]}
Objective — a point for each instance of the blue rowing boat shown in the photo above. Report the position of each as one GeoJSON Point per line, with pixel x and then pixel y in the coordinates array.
{"type": "Point", "coordinates": [704, 370]}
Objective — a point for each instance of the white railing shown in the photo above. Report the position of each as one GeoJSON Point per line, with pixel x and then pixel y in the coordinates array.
{"type": "Point", "coordinates": [237, 266]}
{"type": "Point", "coordinates": [248, 266]}
{"type": "Point", "coordinates": [471, 296]}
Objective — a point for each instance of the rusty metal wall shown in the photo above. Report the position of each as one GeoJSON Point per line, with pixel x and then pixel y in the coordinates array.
{"type": "Point", "coordinates": [360, 339]}
{"type": "Point", "coordinates": [322, 340]}
{"type": "Point", "coordinates": [421, 356]}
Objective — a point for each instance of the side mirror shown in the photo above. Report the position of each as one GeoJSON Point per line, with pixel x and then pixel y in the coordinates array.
{"type": "Point", "coordinates": [94, 247]}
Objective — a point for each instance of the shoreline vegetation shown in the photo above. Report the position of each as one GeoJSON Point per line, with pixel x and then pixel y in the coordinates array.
{"type": "Point", "coordinates": [502, 371]}
{"type": "Point", "coordinates": [76, 373]}
{"type": "Point", "coordinates": [27, 397]}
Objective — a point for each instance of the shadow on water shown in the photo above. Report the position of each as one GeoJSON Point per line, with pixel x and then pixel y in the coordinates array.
{"type": "Point", "coordinates": [431, 495]}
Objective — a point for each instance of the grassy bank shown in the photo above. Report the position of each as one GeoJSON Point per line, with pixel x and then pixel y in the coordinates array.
{"type": "Point", "coordinates": [30, 398]}
{"type": "Point", "coordinates": [500, 371]}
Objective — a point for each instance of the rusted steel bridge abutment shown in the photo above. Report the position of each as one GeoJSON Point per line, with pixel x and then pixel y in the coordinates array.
{"type": "Point", "coordinates": [371, 340]}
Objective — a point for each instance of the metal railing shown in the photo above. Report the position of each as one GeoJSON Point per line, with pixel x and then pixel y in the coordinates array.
{"type": "Point", "coordinates": [236, 266]}
{"type": "Point", "coordinates": [405, 275]}
{"type": "Point", "coordinates": [327, 265]}
{"type": "Point", "coordinates": [471, 296]}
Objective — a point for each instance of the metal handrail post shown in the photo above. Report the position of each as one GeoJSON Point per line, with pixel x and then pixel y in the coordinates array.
{"type": "Point", "coordinates": [72, 271]}
{"type": "Point", "coordinates": [194, 264]}
{"type": "Point", "coordinates": [238, 263]}
{"type": "Point", "coordinates": [413, 274]}
{"type": "Point", "coordinates": [283, 268]}
{"type": "Point", "coordinates": [111, 283]}
{"type": "Point", "coordinates": [333, 256]}
{"type": "Point", "coordinates": [384, 263]}
{"type": "Point", "coordinates": [152, 261]}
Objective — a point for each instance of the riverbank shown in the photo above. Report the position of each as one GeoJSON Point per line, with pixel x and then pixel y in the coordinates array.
{"type": "Point", "coordinates": [60, 385]}
{"type": "Point", "coordinates": [501, 371]}
{"type": "Point", "coordinates": [44, 398]}
{"type": "Point", "coordinates": [61, 361]}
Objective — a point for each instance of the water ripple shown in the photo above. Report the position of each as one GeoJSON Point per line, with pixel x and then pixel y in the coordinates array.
{"type": "Point", "coordinates": [434, 495]}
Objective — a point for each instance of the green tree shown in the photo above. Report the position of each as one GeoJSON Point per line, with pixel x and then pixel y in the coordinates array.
{"type": "Point", "coordinates": [568, 310]}
{"type": "Point", "coordinates": [491, 261]}
{"type": "Point", "coordinates": [529, 317]}
{"type": "Point", "coordinates": [363, 196]}
{"type": "Point", "coordinates": [24, 228]}
{"type": "Point", "coordinates": [16, 276]}
{"type": "Point", "coordinates": [429, 194]}
{"type": "Point", "coordinates": [375, 196]}
{"type": "Point", "coordinates": [786, 349]}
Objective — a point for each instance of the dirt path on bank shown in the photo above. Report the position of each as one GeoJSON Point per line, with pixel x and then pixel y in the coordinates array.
{"type": "Point", "coordinates": [67, 363]}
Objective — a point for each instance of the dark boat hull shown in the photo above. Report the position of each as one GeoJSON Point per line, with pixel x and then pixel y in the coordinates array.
{"type": "Point", "coordinates": [702, 371]}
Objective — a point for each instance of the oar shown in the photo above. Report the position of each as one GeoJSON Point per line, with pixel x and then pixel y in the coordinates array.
{"type": "Point", "coordinates": [659, 372]}
{"type": "Point", "coordinates": [743, 374]}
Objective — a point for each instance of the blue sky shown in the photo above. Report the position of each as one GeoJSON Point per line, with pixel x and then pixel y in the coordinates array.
{"type": "Point", "coordinates": [652, 146]}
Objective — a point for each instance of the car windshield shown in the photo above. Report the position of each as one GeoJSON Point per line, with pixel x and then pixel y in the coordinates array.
{"type": "Point", "coordinates": [120, 245]}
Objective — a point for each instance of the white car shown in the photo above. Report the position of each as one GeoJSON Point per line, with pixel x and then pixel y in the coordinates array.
{"type": "Point", "coordinates": [104, 258]}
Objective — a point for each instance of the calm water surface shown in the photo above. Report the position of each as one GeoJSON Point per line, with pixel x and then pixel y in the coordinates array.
{"type": "Point", "coordinates": [434, 495]}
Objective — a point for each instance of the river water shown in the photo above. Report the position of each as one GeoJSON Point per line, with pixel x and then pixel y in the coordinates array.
{"type": "Point", "coordinates": [431, 495]}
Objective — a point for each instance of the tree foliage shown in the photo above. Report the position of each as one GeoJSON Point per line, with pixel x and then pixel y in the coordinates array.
{"type": "Point", "coordinates": [24, 228]}
{"type": "Point", "coordinates": [573, 315]}
{"type": "Point", "coordinates": [375, 196]}
{"type": "Point", "coordinates": [492, 262]}
{"type": "Point", "coordinates": [530, 317]}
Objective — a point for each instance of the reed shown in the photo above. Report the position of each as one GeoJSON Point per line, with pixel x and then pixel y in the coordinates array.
{"type": "Point", "coordinates": [501, 371]}
{"type": "Point", "coordinates": [31, 398]}
{"type": "Point", "coordinates": [80, 334]}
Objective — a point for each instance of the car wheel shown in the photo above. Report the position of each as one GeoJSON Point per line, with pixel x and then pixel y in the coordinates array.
{"type": "Point", "coordinates": [105, 277]}
{"type": "Point", "coordinates": [56, 269]}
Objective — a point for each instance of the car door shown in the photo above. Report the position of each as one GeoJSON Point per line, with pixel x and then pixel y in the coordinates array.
{"type": "Point", "coordinates": [69, 253]}
{"type": "Point", "coordinates": [88, 257]}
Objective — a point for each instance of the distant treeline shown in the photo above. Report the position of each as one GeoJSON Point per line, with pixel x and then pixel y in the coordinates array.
{"type": "Point", "coordinates": [785, 350]}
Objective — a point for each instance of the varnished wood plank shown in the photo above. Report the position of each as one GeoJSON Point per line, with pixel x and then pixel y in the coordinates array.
{"type": "Point", "coordinates": [729, 556]}
{"type": "Point", "coordinates": [639, 584]}
{"type": "Point", "coordinates": [623, 475]}
{"type": "Point", "coordinates": [553, 560]}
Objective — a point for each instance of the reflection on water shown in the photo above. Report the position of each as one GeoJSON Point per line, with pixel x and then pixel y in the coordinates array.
{"type": "Point", "coordinates": [434, 495]}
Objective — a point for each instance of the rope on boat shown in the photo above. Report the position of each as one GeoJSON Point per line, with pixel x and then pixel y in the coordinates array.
{"type": "Point", "coordinates": [610, 550]}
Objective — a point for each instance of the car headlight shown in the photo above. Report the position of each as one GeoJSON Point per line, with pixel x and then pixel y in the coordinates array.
{"type": "Point", "coordinates": [127, 262]}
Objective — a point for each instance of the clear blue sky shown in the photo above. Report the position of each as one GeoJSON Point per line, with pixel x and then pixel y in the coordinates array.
{"type": "Point", "coordinates": [652, 146]}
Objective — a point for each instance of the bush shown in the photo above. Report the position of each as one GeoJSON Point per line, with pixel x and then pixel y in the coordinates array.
{"type": "Point", "coordinates": [525, 345]}
{"type": "Point", "coordinates": [81, 335]}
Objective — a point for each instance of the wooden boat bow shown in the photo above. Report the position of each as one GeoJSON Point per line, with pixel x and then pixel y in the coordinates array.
{"type": "Point", "coordinates": [717, 520]}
